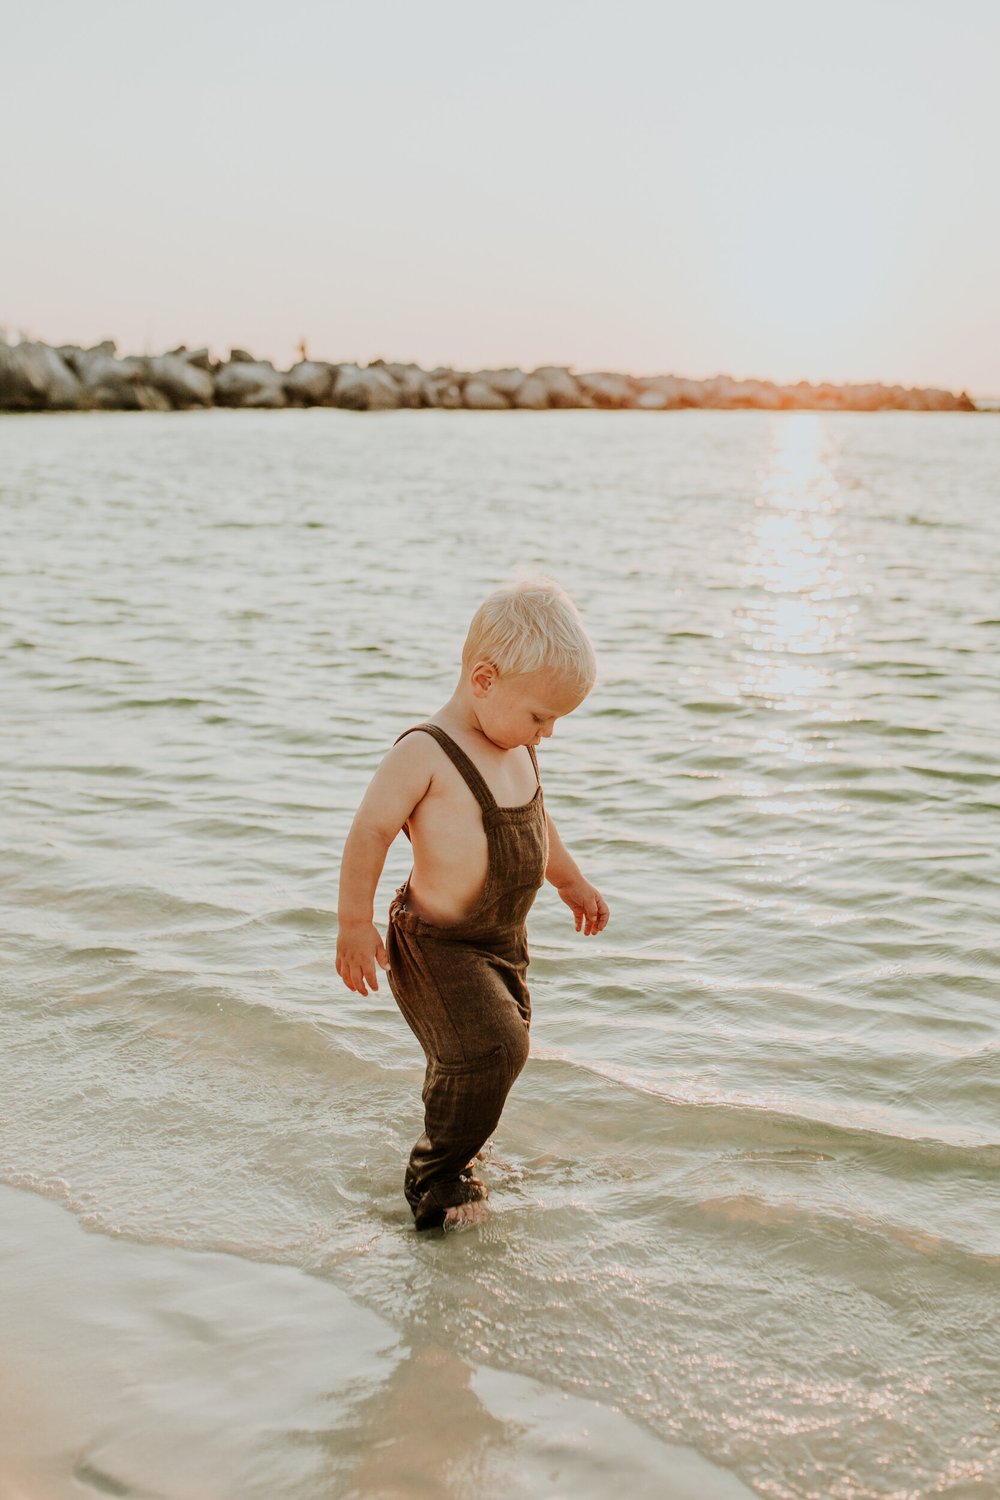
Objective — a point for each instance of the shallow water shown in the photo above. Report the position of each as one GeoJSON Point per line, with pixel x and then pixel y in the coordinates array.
{"type": "Point", "coordinates": [745, 1193]}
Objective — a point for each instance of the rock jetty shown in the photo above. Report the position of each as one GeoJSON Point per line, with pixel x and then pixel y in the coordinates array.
{"type": "Point", "coordinates": [39, 377]}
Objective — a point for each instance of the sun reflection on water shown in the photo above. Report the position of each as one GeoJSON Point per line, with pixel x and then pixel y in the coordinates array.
{"type": "Point", "coordinates": [797, 600]}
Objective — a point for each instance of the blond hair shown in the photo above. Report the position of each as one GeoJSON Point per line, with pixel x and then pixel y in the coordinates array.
{"type": "Point", "coordinates": [529, 626]}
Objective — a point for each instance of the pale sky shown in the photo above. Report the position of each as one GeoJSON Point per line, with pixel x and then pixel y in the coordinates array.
{"type": "Point", "coordinates": [774, 188]}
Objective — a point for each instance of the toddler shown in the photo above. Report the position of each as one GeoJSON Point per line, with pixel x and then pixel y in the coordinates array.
{"type": "Point", "coordinates": [464, 788]}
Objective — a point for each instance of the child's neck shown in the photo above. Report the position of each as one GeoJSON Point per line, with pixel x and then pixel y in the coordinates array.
{"type": "Point", "coordinates": [460, 713]}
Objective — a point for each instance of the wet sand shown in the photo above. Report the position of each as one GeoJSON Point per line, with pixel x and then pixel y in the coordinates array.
{"type": "Point", "coordinates": [142, 1370]}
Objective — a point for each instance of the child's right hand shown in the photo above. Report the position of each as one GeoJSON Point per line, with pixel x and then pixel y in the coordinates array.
{"type": "Point", "coordinates": [359, 948]}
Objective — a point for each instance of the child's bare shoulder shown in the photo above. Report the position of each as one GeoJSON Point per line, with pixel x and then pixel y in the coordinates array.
{"type": "Point", "coordinates": [417, 763]}
{"type": "Point", "coordinates": [403, 778]}
{"type": "Point", "coordinates": [413, 758]}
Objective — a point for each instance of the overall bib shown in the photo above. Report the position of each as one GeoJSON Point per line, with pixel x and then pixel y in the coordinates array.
{"type": "Point", "coordinates": [462, 990]}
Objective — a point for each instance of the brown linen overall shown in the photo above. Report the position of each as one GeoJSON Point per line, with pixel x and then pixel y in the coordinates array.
{"type": "Point", "coordinates": [462, 991]}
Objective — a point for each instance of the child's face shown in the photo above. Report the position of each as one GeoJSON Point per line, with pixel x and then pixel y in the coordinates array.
{"type": "Point", "coordinates": [522, 710]}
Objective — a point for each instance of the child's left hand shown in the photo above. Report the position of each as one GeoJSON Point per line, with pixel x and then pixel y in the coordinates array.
{"type": "Point", "coordinates": [589, 908]}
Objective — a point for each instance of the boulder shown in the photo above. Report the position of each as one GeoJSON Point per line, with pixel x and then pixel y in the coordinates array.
{"type": "Point", "coordinates": [726, 394]}
{"type": "Point", "coordinates": [828, 397]}
{"type": "Point", "coordinates": [34, 377]}
{"type": "Point", "coordinates": [560, 387]}
{"type": "Point", "coordinates": [667, 393]}
{"type": "Point", "coordinates": [532, 395]}
{"type": "Point", "coordinates": [119, 384]}
{"type": "Point", "coordinates": [932, 398]}
{"type": "Point", "coordinates": [723, 393]}
{"type": "Point", "coordinates": [372, 389]}
{"type": "Point", "coordinates": [75, 356]}
{"type": "Point", "coordinates": [507, 382]}
{"type": "Point", "coordinates": [763, 395]}
{"type": "Point", "coordinates": [242, 357]}
{"type": "Point", "coordinates": [794, 397]}
{"type": "Point", "coordinates": [411, 381]}
{"type": "Point", "coordinates": [478, 396]}
{"type": "Point", "coordinates": [181, 381]}
{"type": "Point", "coordinates": [200, 358]}
{"type": "Point", "coordinates": [848, 396]}
{"type": "Point", "coordinates": [309, 383]}
{"type": "Point", "coordinates": [607, 389]}
{"type": "Point", "coordinates": [249, 383]}
{"type": "Point", "coordinates": [442, 388]}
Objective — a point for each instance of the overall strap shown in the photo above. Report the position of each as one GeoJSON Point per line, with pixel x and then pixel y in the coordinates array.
{"type": "Point", "coordinates": [465, 767]}
{"type": "Point", "coordinates": [534, 762]}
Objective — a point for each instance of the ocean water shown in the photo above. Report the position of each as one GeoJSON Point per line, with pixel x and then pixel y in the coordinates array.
{"type": "Point", "coordinates": [746, 1223]}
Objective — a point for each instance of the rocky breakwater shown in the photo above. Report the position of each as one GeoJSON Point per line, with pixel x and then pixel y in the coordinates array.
{"type": "Point", "coordinates": [40, 377]}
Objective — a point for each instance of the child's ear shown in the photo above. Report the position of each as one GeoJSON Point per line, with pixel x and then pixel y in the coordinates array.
{"type": "Point", "coordinates": [482, 677]}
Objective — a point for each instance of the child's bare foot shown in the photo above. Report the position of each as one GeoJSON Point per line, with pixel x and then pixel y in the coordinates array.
{"type": "Point", "coordinates": [466, 1213]}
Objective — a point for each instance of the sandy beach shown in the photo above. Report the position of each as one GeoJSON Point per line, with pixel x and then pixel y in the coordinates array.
{"type": "Point", "coordinates": [195, 1376]}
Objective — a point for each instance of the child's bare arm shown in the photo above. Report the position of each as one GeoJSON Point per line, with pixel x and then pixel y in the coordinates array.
{"type": "Point", "coordinates": [398, 785]}
{"type": "Point", "coordinates": [589, 908]}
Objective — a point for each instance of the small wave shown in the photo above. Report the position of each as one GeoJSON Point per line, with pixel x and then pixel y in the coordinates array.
{"type": "Point", "coordinates": [179, 701]}
{"type": "Point", "coordinates": [751, 1209]}
{"type": "Point", "coordinates": [101, 950]}
{"type": "Point", "coordinates": [963, 778]}
{"type": "Point", "coordinates": [754, 1120]}
{"type": "Point", "coordinates": [94, 768]}
{"type": "Point", "coordinates": [307, 918]}
{"type": "Point", "coordinates": [864, 724]}
{"type": "Point", "coordinates": [715, 706]}
{"type": "Point", "coordinates": [111, 661]}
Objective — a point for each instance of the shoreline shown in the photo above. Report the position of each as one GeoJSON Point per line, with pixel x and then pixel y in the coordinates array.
{"type": "Point", "coordinates": [144, 1369]}
{"type": "Point", "coordinates": [41, 377]}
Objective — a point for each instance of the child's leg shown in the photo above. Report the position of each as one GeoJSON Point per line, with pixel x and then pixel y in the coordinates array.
{"type": "Point", "coordinates": [470, 1012]}
{"type": "Point", "coordinates": [462, 1107]}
